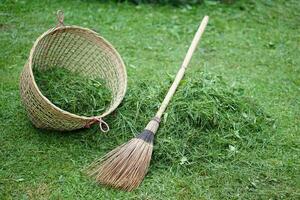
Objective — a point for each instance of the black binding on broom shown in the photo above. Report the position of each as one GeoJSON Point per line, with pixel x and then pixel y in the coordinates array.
{"type": "Point", "coordinates": [146, 135]}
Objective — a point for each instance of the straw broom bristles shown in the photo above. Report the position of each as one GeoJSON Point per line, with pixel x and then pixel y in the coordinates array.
{"type": "Point", "coordinates": [126, 166]}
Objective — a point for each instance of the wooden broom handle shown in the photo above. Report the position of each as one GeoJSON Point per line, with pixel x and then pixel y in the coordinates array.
{"type": "Point", "coordinates": [184, 65]}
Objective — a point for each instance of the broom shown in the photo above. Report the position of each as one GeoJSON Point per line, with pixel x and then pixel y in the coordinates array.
{"type": "Point", "coordinates": [126, 166]}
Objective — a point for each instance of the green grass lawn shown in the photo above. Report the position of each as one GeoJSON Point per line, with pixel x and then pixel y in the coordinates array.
{"type": "Point", "coordinates": [253, 45]}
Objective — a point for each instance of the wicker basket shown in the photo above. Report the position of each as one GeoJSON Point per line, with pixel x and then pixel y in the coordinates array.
{"type": "Point", "coordinates": [79, 50]}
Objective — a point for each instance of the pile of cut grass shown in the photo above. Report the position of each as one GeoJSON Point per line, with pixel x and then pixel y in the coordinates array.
{"type": "Point", "coordinates": [72, 92]}
{"type": "Point", "coordinates": [205, 114]}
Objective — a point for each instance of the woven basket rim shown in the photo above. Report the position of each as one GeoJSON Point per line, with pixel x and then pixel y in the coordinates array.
{"type": "Point", "coordinates": [52, 30]}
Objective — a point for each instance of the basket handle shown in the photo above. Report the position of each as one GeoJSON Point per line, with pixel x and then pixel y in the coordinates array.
{"type": "Point", "coordinates": [60, 18]}
{"type": "Point", "coordinates": [102, 124]}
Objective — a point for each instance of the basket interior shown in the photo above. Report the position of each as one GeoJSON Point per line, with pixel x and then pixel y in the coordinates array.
{"type": "Point", "coordinates": [85, 53]}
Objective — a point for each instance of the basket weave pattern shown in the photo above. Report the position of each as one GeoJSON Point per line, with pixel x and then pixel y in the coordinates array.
{"type": "Point", "coordinates": [81, 51]}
